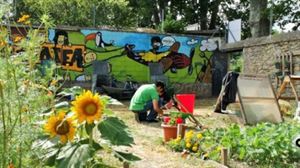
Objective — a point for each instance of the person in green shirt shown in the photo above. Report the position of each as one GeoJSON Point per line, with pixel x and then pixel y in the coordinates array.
{"type": "Point", "coordinates": [147, 98]}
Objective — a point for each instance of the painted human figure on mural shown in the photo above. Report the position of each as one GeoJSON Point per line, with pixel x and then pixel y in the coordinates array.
{"type": "Point", "coordinates": [61, 38]}
{"type": "Point", "coordinates": [171, 59]}
{"type": "Point", "coordinates": [98, 39]}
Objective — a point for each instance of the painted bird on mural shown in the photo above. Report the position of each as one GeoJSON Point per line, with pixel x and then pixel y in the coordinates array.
{"type": "Point", "coordinates": [98, 39]}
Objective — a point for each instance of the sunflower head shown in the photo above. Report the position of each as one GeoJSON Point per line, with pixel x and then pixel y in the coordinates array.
{"type": "Point", "coordinates": [88, 107]}
{"type": "Point", "coordinates": [59, 125]}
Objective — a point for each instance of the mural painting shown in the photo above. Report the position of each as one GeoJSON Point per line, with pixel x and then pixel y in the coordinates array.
{"type": "Point", "coordinates": [185, 59]}
{"type": "Point", "coordinates": [69, 57]}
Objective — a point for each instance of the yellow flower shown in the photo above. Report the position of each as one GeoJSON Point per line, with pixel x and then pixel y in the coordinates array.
{"type": "Point", "coordinates": [24, 108]}
{"type": "Point", "coordinates": [2, 43]}
{"type": "Point", "coordinates": [177, 140]}
{"type": "Point", "coordinates": [59, 125]}
{"type": "Point", "coordinates": [199, 136]}
{"type": "Point", "coordinates": [53, 82]}
{"type": "Point", "coordinates": [23, 18]}
{"type": "Point", "coordinates": [187, 140]}
{"type": "Point", "coordinates": [188, 145]}
{"type": "Point", "coordinates": [189, 134]}
{"type": "Point", "coordinates": [17, 39]}
{"type": "Point", "coordinates": [27, 22]}
{"type": "Point", "coordinates": [219, 148]}
{"type": "Point", "coordinates": [195, 148]}
{"type": "Point", "coordinates": [88, 107]}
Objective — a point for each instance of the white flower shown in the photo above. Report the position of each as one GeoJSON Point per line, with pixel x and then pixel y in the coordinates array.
{"type": "Point", "coordinates": [209, 45]}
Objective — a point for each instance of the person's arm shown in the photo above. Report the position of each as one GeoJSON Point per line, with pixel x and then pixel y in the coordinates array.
{"type": "Point", "coordinates": [156, 107]}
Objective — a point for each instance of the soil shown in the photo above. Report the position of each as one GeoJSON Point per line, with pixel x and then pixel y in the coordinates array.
{"type": "Point", "coordinates": [149, 145]}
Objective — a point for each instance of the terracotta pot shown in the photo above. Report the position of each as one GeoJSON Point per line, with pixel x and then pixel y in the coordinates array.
{"type": "Point", "coordinates": [170, 132]}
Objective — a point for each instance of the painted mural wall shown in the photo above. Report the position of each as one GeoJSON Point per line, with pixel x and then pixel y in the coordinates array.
{"type": "Point", "coordinates": [185, 59]}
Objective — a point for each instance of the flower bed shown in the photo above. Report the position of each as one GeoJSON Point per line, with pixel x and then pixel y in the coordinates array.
{"type": "Point", "coordinates": [265, 144]}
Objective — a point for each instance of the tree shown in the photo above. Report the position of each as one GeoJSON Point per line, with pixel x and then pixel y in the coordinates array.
{"type": "Point", "coordinates": [114, 13]}
{"type": "Point", "coordinates": [285, 12]}
{"type": "Point", "coordinates": [210, 14]}
{"type": "Point", "coordinates": [231, 11]}
{"type": "Point", "coordinates": [258, 19]}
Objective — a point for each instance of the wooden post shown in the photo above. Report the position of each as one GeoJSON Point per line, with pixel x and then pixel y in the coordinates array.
{"type": "Point", "coordinates": [179, 130]}
{"type": "Point", "coordinates": [125, 165]}
{"type": "Point", "coordinates": [224, 156]}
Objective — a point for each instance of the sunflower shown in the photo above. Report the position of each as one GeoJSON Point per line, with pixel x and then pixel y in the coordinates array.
{"type": "Point", "coordinates": [59, 125]}
{"type": "Point", "coordinates": [88, 107]}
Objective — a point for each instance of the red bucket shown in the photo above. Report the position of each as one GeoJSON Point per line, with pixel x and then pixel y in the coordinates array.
{"type": "Point", "coordinates": [186, 102]}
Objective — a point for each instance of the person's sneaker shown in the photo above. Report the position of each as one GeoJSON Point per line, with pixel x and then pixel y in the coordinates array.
{"type": "Point", "coordinates": [152, 121]}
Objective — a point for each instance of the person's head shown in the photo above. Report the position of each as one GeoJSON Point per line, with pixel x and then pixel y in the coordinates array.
{"type": "Point", "coordinates": [160, 87]}
{"type": "Point", "coordinates": [155, 42]}
{"type": "Point", "coordinates": [61, 37]}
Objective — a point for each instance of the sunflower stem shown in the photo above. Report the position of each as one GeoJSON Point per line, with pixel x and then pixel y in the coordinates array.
{"type": "Point", "coordinates": [91, 138]}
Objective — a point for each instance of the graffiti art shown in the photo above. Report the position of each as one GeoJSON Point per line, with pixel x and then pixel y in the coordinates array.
{"type": "Point", "coordinates": [129, 53]}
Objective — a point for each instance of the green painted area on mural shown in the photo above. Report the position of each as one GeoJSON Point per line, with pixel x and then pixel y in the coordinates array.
{"type": "Point", "coordinates": [123, 66]}
{"type": "Point", "coordinates": [76, 37]}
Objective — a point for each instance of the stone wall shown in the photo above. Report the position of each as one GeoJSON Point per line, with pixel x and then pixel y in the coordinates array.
{"type": "Point", "coordinates": [260, 54]}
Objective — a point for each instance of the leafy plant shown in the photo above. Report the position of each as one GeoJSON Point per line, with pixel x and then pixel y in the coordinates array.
{"type": "Point", "coordinates": [23, 91]}
{"type": "Point", "coordinates": [86, 128]}
{"type": "Point", "coordinates": [175, 118]}
{"type": "Point", "coordinates": [264, 144]}
{"type": "Point", "coordinates": [172, 26]}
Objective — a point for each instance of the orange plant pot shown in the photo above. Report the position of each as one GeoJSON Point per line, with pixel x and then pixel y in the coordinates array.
{"type": "Point", "coordinates": [170, 132]}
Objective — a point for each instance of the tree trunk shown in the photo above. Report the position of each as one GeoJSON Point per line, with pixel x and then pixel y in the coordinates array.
{"type": "Point", "coordinates": [173, 11]}
{"type": "Point", "coordinates": [214, 14]}
{"type": "Point", "coordinates": [258, 20]}
{"type": "Point", "coordinates": [162, 9]}
{"type": "Point", "coordinates": [156, 14]}
{"type": "Point", "coordinates": [203, 13]}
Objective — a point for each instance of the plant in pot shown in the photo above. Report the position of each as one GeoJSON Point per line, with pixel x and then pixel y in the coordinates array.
{"type": "Point", "coordinates": [171, 123]}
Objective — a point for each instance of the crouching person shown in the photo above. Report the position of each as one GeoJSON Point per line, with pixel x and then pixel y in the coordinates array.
{"type": "Point", "coordinates": [146, 98]}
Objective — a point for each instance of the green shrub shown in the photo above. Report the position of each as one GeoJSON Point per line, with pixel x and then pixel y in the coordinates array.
{"type": "Point", "coordinates": [172, 26]}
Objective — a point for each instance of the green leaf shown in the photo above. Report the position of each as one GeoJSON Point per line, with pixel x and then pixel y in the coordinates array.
{"type": "Point", "coordinates": [49, 151]}
{"type": "Point", "coordinates": [44, 143]}
{"type": "Point", "coordinates": [108, 112]}
{"type": "Point", "coordinates": [73, 91]}
{"type": "Point", "coordinates": [50, 157]}
{"type": "Point", "coordinates": [95, 145]}
{"type": "Point", "coordinates": [60, 105]}
{"type": "Point", "coordinates": [242, 153]}
{"type": "Point", "coordinates": [74, 156]}
{"type": "Point", "coordinates": [127, 157]}
{"type": "Point", "coordinates": [115, 131]}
